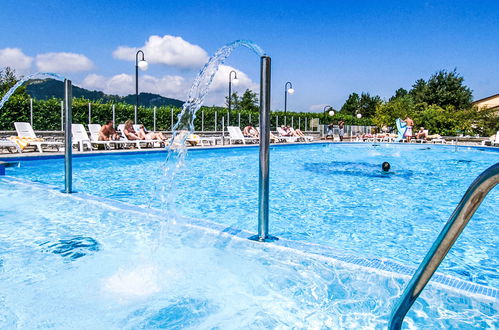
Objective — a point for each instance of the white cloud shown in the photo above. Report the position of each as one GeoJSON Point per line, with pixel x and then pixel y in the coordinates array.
{"type": "Point", "coordinates": [173, 86]}
{"type": "Point", "coordinates": [124, 84]}
{"type": "Point", "coordinates": [16, 59]}
{"type": "Point", "coordinates": [169, 50]}
{"type": "Point", "coordinates": [317, 107]}
{"type": "Point", "coordinates": [63, 62]}
{"type": "Point", "coordinates": [220, 86]}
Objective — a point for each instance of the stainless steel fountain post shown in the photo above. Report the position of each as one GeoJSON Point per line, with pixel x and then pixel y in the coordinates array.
{"type": "Point", "coordinates": [68, 148]}
{"type": "Point", "coordinates": [263, 184]}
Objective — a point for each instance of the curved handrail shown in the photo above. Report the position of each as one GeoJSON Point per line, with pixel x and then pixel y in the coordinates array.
{"type": "Point", "coordinates": [453, 228]}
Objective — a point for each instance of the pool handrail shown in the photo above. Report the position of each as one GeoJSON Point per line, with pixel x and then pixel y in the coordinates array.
{"type": "Point", "coordinates": [470, 202]}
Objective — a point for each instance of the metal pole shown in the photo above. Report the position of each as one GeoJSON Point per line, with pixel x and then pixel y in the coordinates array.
{"type": "Point", "coordinates": [249, 118]}
{"type": "Point", "coordinates": [154, 118]}
{"type": "Point", "coordinates": [239, 119]}
{"type": "Point", "coordinates": [264, 182]}
{"type": "Point", "coordinates": [202, 121]}
{"type": "Point", "coordinates": [62, 115]}
{"type": "Point", "coordinates": [114, 115]}
{"type": "Point", "coordinates": [172, 119]}
{"type": "Point", "coordinates": [135, 115]}
{"type": "Point", "coordinates": [285, 120]}
{"type": "Point", "coordinates": [215, 121]}
{"type": "Point", "coordinates": [31, 111]}
{"type": "Point", "coordinates": [223, 130]}
{"type": "Point", "coordinates": [228, 118]}
{"type": "Point", "coordinates": [276, 121]}
{"type": "Point", "coordinates": [306, 124]}
{"type": "Point", "coordinates": [89, 113]}
{"type": "Point", "coordinates": [68, 150]}
{"type": "Point", "coordinates": [292, 121]}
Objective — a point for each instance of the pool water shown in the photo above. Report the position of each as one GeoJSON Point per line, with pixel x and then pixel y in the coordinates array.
{"type": "Point", "coordinates": [69, 262]}
{"type": "Point", "coordinates": [104, 261]}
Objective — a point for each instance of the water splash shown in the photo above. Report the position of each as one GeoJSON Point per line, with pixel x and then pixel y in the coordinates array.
{"type": "Point", "coordinates": [37, 75]}
{"type": "Point", "coordinates": [185, 124]}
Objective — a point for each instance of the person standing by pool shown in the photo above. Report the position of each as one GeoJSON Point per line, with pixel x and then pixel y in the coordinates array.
{"type": "Point", "coordinates": [408, 131]}
{"type": "Point", "coordinates": [341, 126]}
{"type": "Point", "coordinates": [108, 133]}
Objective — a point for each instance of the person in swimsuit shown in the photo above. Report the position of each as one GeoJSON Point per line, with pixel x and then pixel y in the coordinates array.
{"type": "Point", "coordinates": [250, 131]}
{"type": "Point", "coordinates": [408, 130]}
{"type": "Point", "coordinates": [341, 126]}
{"type": "Point", "coordinates": [108, 133]}
{"type": "Point", "coordinates": [145, 135]}
{"type": "Point", "coordinates": [130, 132]}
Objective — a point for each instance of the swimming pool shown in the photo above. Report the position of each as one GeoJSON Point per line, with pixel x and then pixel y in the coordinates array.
{"type": "Point", "coordinates": [331, 195]}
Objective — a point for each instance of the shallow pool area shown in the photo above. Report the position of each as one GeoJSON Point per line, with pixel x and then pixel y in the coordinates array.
{"type": "Point", "coordinates": [103, 259]}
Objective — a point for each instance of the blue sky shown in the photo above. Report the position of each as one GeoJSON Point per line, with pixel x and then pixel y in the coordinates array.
{"type": "Point", "coordinates": [327, 49]}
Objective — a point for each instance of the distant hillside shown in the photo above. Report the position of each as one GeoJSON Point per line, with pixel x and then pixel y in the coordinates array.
{"type": "Point", "coordinates": [45, 89]}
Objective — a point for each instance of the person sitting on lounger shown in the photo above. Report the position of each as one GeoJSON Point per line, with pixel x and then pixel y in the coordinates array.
{"type": "Point", "coordinates": [143, 134]}
{"type": "Point", "coordinates": [250, 131]}
{"type": "Point", "coordinates": [421, 134]}
{"type": "Point", "coordinates": [130, 132]}
{"type": "Point", "coordinates": [108, 133]}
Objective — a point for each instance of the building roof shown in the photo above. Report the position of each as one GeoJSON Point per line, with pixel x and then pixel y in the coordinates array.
{"type": "Point", "coordinates": [490, 102]}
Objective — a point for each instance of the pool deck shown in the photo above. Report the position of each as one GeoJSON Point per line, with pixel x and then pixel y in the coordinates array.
{"type": "Point", "coordinates": [6, 155]}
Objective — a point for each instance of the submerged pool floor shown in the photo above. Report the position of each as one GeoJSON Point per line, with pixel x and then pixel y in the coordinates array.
{"type": "Point", "coordinates": [73, 261]}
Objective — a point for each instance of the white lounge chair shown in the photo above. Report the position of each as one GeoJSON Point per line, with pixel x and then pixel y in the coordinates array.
{"type": "Point", "coordinates": [24, 130]}
{"type": "Point", "coordinates": [493, 141]}
{"type": "Point", "coordinates": [235, 134]}
{"type": "Point", "coordinates": [80, 137]}
{"type": "Point", "coordinates": [94, 137]}
{"type": "Point", "coordinates": [121, 128]}
{"type": "Point", "coordinates": [9, 145]}
{"type": "Point", "coordinates": [281, 134]}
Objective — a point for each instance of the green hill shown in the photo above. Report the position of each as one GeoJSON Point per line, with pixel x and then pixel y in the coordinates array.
{"type": "Point", "coordinates": [48, 88]}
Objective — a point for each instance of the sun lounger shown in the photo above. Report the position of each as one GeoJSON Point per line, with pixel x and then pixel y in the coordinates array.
{"type": "Point", "coordinates": [80, 137]}
{"type": "Point", "coordinates": [137, 143]}
{"type": "Point", "coordinates": [94, 138]}
{"type": "Point", "coordinates": [281, 134]}
{"type": "Point", "coordinates": [24, 130]}
{"type": "Point", "coordinates": [492, 141]}
{"type": "Point", "coordinates": [235, 134]}
{"type": "Point", "coordinates": [10, 145]}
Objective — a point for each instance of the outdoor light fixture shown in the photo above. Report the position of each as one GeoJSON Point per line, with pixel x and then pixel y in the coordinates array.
{"type": "Point", "coordinates": [142, 65]}
{"type": "Point", "coordinates": [359, 115]}
{"type": "Point", "coordinates": [331, 112]}
{"type": "Point", "coordinates": [287, 90]}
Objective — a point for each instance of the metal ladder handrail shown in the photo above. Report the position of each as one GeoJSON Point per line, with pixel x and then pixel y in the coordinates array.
{"type": "Point", "coordinates": [449, 234]}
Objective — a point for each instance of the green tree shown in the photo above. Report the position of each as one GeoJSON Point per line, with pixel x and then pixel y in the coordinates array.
{"type": "Point", "coordinates": [368, 104]}
{"type": "Point", "coordinates": [249, 101]}
{"type": "Point", "coordinates": [235, 100]}
{"type": "Point", "coordinates": [443, 89]}
{"type": "Point", "coordinates": [401, 92]}
{"type": "Point", "coordinates": [399, 107]}
{"type": "Point", "coordinates": [352, 104]}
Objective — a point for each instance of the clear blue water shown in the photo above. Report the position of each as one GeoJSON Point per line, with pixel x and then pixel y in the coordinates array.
{"type": "Point", "coordinates": [134, 271]}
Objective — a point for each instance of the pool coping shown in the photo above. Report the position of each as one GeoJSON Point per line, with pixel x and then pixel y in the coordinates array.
{"type": "Point", "coordinates": [383, 266]}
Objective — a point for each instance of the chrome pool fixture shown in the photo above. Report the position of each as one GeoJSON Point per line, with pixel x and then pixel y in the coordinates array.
{"type": "Point", "coordinates": [263, 183]}
{"type": "Point", "coordinates": [68, 144]}
{"type": "Point", "coordinates": [449, 234]}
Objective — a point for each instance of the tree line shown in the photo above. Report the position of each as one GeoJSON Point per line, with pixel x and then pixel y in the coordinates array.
{"type": "Point", "coordinates": [442, 104]}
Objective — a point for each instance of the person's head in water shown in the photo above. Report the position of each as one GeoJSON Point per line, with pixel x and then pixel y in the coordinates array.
{"type": "Point", "coordinates": [385, 166]}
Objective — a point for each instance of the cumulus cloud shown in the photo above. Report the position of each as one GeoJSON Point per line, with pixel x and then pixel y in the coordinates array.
{"type": "Point", "coordinates": [124, 84]}
{"type": "Point", "coordinates": [63, 62]}
{"type": "Point", "coordinates": [169, 50]}
{"type": "Point", "coordinates": [173, 86]}
{"type": "Point", "coordinates": [317, 107]}
{"type": "Point", "coordinates": [16, 59]}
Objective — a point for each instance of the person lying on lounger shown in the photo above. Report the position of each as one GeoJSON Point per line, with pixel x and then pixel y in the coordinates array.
{"type": "Point", "coordinates": [250, 131]}
{"type": "Point", "coordinates": [145, 135]}
{"type": "Point", "coordinates": [108, 133]}
{"type": "Point", "coordinates": [130, 132]}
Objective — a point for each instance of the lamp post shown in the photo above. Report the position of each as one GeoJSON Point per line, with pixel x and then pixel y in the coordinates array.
{"type": "Point", "coordinates": [142, 64]}
{"type": "Point", "coordinates": [287, 90]}
{"type": "Point", "coordinates": [230, 91]}
{"type": "Point", "coordinates": [331, 113]}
